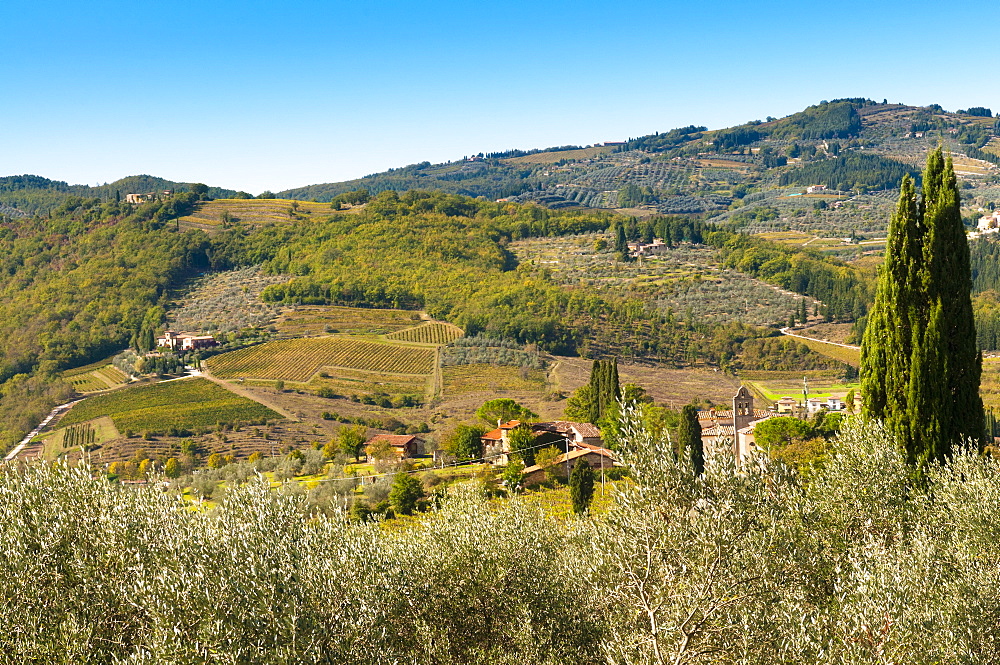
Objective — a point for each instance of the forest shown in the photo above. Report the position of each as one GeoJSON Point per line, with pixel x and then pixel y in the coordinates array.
{"type": "Point", "coordinates": [850, 172]}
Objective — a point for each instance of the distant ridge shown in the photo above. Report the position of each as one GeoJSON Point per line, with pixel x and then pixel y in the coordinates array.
{"type": "Point", "coordinates": [33, 194]}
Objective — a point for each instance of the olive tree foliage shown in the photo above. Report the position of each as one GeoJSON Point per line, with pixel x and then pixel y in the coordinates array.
{"type": "Point", "coordinates": [856, 565]}
{"type": "Point", "coordinates": [95, 572]}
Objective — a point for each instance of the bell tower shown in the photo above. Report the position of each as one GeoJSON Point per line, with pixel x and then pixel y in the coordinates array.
{"type": "Point", "coordinates": [742, 409]}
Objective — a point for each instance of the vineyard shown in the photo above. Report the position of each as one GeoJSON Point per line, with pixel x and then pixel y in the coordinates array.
{"type": "Point", "coordinates": [493, 379]}
{"type": "Point", "coordinates": [300, 359]}
{"type": "Point", "coordinates": [319, 319]}
{"type": "Point", "coordinates": [186, 404]}
{"type": "Point", "coordinates": [428, 333]}
{"type": "Point", "coordinates": [94, 378]}
{"type": "Point", "coordinates": [357, 382]}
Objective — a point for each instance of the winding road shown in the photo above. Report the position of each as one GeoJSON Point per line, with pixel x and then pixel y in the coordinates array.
{"type": "Point", "coordinates": [16, 450]}
{"type": "Point", "coordinates": [784, 331]}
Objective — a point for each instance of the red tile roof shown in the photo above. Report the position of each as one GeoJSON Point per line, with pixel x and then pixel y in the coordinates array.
{"type": "Point", "coordinates": [394, 440]}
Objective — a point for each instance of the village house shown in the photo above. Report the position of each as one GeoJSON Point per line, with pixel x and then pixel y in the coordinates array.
{"type": "Point", "coordinates": [815, 189]}
{"type": "Point", "coordinates": [786, 405]}
{"type": "Point", "coordinates": [599, 459]}
{"type": "Point", "coordinates": [562, 434]}
{"type": "Point", "coordinates": [404, 446]}
{"type": "Point", "coordinates": [185, 342]}
{"type": "Point", "coordinates": [989, 223]}
{"type": "Point", "coordinates": [815, 404]}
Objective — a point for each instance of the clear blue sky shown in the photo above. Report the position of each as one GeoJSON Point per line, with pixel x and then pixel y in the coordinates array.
{"type": "Point", "coordinates": [270, 95]}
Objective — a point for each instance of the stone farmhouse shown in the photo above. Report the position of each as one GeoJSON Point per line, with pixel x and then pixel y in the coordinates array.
{"type": "Point", "coordinates": [599, 459]}
{"type": "Point", "coordinates": [185, 342]}
{"type": "Point", "coordinates": [562, 434]}
{"type": "Point", "coordinates": [637, 249]}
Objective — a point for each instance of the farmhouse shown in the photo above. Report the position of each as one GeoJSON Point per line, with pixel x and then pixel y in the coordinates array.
{"type": "Point", "coordinates": [403, 445]}
{"type": "Point", "coordinates": [563, 434]}
{"type": "Point", "coordinates": [814, 189]}
{"type": "Point", "coordinates": [637, 249]}
{"type": "Point", "coordinates": [184, 341]}
{"type": "Point", "coordinates": [599, 459]}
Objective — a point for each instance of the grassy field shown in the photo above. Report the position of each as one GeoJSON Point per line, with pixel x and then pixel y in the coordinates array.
{"type": "Point", "coordinates": [317, 320]}
{"type": "Point", "coordinates": [253, 212]}
{"type": "Point", "coordinates": [553, 157]}
{"type": "Point", "coordinates": [300, 359]}
{"type": "Point", "coordinates": [464, 379]}
{"type": "Point", "coordinates": [989, 386]}
{"type": "Point", "coordinates": [428, 333]}
{"type": "Point", "coordinates": [96, 377]}
{"type": "Point", "coordinates": [775, 385]}
{"type": "Point", "coordinates": [188, 404]}
{"type": "Point", "coordinates": [69, 438]}
{"type": "Point", "coordinates": [845, 355]}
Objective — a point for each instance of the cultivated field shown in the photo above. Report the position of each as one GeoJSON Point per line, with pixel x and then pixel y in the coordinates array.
{"type": "Point", "coordinates": [670, 387]}
{"type": "Point", "coordinates": [428, 333]}
{"type": "Point", "coordinates": [466, 379]}
{"type": "Point", "coordinates": [94, 378]}
{"type": "Point", "coordinates": [775, 385]}
{"type": "Point", "coordinates": [210, 215]}
{"type": "Point", "coordinates": [319, 319]}
{"type": "Point", "coordinates": [558, 156]}
{"type": "Point", "coordinates": [182, 404]}
{"type": "Point", "coordinates": [300, 359]}
{"type": "Point", "coordinates": [69, 439]}
{"type": "Point", "coordinates": [843, 354]}
{"type": "Point", "coordinates": [356, 382]}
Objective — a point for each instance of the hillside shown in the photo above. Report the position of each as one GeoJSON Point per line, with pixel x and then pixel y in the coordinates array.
{"type": "Point", "coordinates": [855, 147]}
{"type": "Point", "coordinates": [31, 194]}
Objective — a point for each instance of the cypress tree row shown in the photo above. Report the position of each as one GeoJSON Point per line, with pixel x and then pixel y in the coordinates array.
{"type": "Point", "coordinates": [920, 367]}
{"type": "Point", "coordinates": [605, 387]}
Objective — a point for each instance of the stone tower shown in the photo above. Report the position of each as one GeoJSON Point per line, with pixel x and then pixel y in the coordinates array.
{"type": "Point", "coordinates": [742, 409]}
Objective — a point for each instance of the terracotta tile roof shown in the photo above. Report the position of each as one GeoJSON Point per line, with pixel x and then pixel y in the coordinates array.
{"type": "Point", "coordinates": [585, 430]}
{"type": "Point", "coordinates": [395, 440]}
{"type": "Point", "coordinates": [497, 434]}
{"type": "Point", "coordinates": [573, 454]}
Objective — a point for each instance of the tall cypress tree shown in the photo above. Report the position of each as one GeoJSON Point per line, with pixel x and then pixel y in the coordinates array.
{"type": "Point", "coordinates": [689, 438]}
{"type": "Point", "coordinates": [919, 365]}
